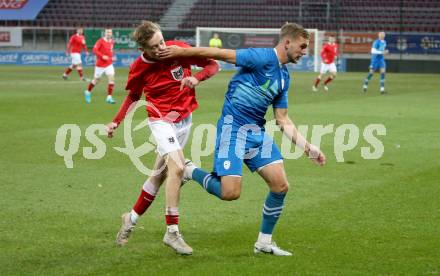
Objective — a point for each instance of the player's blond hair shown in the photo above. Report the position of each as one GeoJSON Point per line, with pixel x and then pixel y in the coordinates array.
{"type": "Point", "coordinates": [144, 32]}
{"type": "Point", "coordinates": [293, 30]}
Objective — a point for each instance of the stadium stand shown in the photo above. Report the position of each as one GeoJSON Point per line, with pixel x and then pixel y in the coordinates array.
{"type": "Point", "coordinates": [97, 13]}
{"type": "Point", "coordinates": [350, 15]}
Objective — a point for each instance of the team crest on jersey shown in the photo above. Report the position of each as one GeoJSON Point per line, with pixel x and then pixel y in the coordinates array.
{"type": "Point", "coordinates": [177, 73]}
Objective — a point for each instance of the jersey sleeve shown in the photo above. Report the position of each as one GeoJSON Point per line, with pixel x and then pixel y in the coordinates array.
{"type": "Point", "coordinates": [252, 58]}
{"type": "Point", "coordinates": [96, 49]}
{"type": "Point", "coordinates": [210, 68]}
{"type": "Point", "coordinates": [282, 100]}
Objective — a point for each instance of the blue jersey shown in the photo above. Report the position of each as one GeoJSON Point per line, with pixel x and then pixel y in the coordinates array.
{"type": "Point", "coordinates": [261, 81]}
{"type": "Point", "coordinates": [377, 50]}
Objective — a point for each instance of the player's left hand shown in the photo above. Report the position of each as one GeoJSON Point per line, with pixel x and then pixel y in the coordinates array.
{"type": "Point", "coordinates": [191, 82]}
{"type": "Point", "coordinates": [314, 153]}
{"type": "Point", "coordinates": [170, 52]}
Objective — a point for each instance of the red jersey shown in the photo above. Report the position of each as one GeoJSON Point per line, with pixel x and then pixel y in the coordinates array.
{"type": "Point", "coordinates": [160, 82]}
{"type": "Point", "coordinates": [76, 44]}
{"type": "Point", "coordinates": [329, 52]}
{"type": "Point", "coordinates": [103, 48]}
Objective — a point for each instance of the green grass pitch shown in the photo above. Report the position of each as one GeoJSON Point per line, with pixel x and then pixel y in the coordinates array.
{"type": "Point", "coordinates": [358, 217]}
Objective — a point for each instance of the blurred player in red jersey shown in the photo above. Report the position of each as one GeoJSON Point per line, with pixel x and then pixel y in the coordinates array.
{"type": "Point", "coordinates": [103, 50]}
{"type": "Point", "coordinates": [76, 44]}
{"type": "Point", "coordinates": [328, 54]}
{"type": "Point", "coordinates": [169, 87]}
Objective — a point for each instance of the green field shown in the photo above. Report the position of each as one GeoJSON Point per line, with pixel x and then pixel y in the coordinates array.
{"type": "Point", "coordinates": [358, 217]}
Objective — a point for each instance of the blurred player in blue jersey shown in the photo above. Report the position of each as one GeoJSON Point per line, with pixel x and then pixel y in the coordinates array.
{"type": "Point", "coordinates": [262, 80]}
{"type": "Point", "coordinates": [378, 50]}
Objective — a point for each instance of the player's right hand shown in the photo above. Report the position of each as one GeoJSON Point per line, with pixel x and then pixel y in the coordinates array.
{"type": "Point", "coordinates": [110, 128]}
{"type": "Point", "coordinates": [190, 81]}
{"type": "Point", "coordinates": [314, 153]}
{"type": "Point", "coordinates": [104, 57]}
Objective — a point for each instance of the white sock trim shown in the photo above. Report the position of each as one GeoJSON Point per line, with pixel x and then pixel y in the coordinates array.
{"type": "Point", "coordinates": [150, 188]}
{"type": "Point", "coordinates": [265, 238]}
{"type": "Point", "coordinates": [134, 216]}
{"type": "Point", "coordinates": [173, 228]}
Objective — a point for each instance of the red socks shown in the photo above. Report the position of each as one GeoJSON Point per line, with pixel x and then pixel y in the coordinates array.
{"type": "Point", "coordinates": [144, 201]}
{"type": "Point", "coordinates": [329, 79]}
{"type": "Point", "coordinates": [317, 82]}
{"type": "Point", "coordinates": [90, 88]}
{"type": "Point", "coordinates": [172, 215]}
{"type": "Point", "coordinates": [68, 70]}
{"type": "Point", "coordinates": [110, 88]}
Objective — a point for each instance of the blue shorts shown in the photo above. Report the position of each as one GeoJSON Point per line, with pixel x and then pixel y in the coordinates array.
{"type": "Point", "coordinates": [248, 143]}
{"type": "Point", "coordinates": [377, 64]}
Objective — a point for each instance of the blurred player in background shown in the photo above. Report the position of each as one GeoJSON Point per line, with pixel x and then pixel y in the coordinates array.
{"type": "Point", "coordinates": [328, 54]}
{"type": "Point", "coordinates": [215, 41]}
{"type": "Point", "coordinates": [103, 51]}
{"type": "Point", "coordinates": [262, 80]}
{"type": "Point", "coordinates": [169, 87]}
{"type": "Point", "coordinates": [76, 44]}
{"type": "Point", "coordinates": [378, 50]}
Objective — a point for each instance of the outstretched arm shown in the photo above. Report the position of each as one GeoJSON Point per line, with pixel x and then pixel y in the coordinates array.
{"type": "Point", "coordinates": [289, 129]}
{"type": "Point", "coordinates": [200, 52]}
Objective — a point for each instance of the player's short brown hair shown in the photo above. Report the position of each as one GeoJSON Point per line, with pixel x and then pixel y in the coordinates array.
{"type": "Point", "coordinates": [293, 30]}
{"type": "Point", "coordinates": [144, 32]}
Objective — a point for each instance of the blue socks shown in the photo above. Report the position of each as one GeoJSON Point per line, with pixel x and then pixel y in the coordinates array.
{"type": "Point", "coordinates": [382, 80]}
{"type": "Point", "coordinates": [208, 181]}
{"type": "Point", "coordinates": [368, 78]}
{"type": "Point", "coordinates": [271, 211]}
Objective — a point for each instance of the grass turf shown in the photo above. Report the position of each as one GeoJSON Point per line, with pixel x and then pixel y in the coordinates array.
{"type": "Point", "coordinates": [358, 217]}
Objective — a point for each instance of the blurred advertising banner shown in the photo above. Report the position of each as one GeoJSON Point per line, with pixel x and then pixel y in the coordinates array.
{"type": "Point", "coordinates": [21, 9]}
{"type": "Point", "coordinates": [122, 38]}
{"type": "Point", "coordinates": [360, 43]}
{"type": "Point", "coordinates": [413, 43]}
{"type": "Point", "coordinates": [10, 37]}
{"type": "Point", "coordinates": [60, 59]}
{"type": "Point", "coordinates": [355, 43]}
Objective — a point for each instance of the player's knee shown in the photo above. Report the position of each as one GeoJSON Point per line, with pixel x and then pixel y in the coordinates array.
{"type": "Point", "coordinates": [230, 194]}
{"type": "Point", "coordinates": [281, 187]}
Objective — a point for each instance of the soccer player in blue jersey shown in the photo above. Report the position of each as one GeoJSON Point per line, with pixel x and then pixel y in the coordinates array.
{"type": "Point", "coordinates": [262, 80]}
{"type": "Point", "coordinates": [378, 50]}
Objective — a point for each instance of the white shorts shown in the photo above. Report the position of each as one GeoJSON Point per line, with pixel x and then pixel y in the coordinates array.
{"type": "Point", "coordinates": [328, 68]}
{"type": "Point", "coordinates": [170, 136]}
{"type": "Point", "coordinates": [109, 70]}
{"type": "Point", "coordinates": [76, 58]}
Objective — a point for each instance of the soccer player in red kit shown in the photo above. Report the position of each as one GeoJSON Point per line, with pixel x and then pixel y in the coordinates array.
{"type": "Point", "coordinates": [328, 54]}
{"type": "Point", "coordinates": [76, 44]}
{"type": "Point", "coordinates": [169, 88]}
{"type": "Point", "coordinates": [103, 50]}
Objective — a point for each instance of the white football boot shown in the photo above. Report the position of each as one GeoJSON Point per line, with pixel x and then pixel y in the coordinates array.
{"type": "Point", "coordinates": [126, 229]}
{"type": "Point", "coordinates": [176, 242]}
{"type": "Point", "coordinates": [270, 248]}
